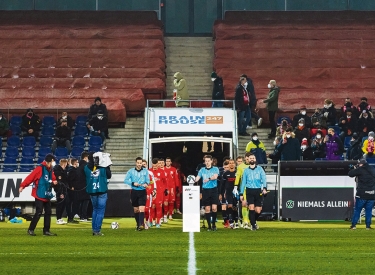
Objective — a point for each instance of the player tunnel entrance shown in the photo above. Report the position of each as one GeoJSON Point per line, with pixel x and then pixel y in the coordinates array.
{"type": "Point", "coordinates": [188, 151]}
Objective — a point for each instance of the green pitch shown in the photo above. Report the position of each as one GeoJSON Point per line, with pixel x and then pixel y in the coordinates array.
{"type": "Point", "coordinates": [277, 248]}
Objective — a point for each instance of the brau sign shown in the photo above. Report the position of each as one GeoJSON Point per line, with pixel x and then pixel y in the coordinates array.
{"type": "Point", "coordinates": [191, 120]}
{"type": "Point", "coordinates": [9, 185]}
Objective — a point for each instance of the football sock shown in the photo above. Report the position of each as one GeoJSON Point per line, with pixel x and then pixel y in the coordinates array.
{"type": "Point", "coordinates": [171, 207]}
{"type": "Point", "coordinates": [136, 217]}
{"type": "Point", "coordinates": [252, 217]}
{"type": "Point", "coordinates": [141, 218]}
{"type": "Point", "coordinates": [230, 217]}
{"type": "Point", "coordinates": [147, 213]}
{"type": "Point", "coordinates": [151, 214]}
{"type": "Point", "coordinates": [224, 213]}
{"type": "Point", "coordinates": [159, 213]}
{"type": "Point", "coordinates": [178, 203]}
{"type": "Point", "coordinates": [214, 214]}
{"type": "Point", "coordinates": [256, 216]}
{"type": "Point", "coordinates": [166, 208]}
{"type": "Point", "coordinates": [208, 218]}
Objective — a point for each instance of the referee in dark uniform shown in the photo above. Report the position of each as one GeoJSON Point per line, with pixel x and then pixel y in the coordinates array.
{"type": "Point", "coordinates": [138, 179]}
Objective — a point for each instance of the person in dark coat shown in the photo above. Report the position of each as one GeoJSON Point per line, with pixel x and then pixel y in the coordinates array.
{"type": "Point", "coordinates": [68, 118]}
{"type": "Point", "coordinates": [80, 186]}
{"type": "Point", "coordinates": [217, 91]}
{"type": "Point", "coordinates": [366, 124]}
{"type": "Point", "coordinates": [354, 152]}
{"type": "Point", "coordinates": [31, 123]}
{"type": "Point", "coordinates": [349, 105]}
{"type": "Point", "coordinates": [98, 125]}
{"type": "Point", "coordinates": [275, 156]}
{"type": "Point", "coordinates": [62, 137]}
{"type": "Point", "coordinates": [329, 113]}
{"type": "Point", "coordinates": [289, 147]}
{"type": "Point", "coordinates": [272, 101]}
{"type": "Point", "coordinates": [334, 145]}
{"type": "Point", "coordinates": [73, 182]}
{"type": "Point", "coordinates": [253, 101]}
{"type": "Point", "coordinates": [348, 124]}
{"type": "Point", "coordinates": [307, 152]}
{"type": "Point", "coordinates": [364, 106]}
{"type": "Point", "coordinates": [242, 100]}
{"type": "Point", "coordinates": [301, 114]}
{"type": "Point", "coordinates": [365, 195]}
{"type": "Point", "coordinates": [95, 108]}
{"type": "Point", "coordinates": [301, 131]}
{"type": "Point", "coordinates": [318, 146]}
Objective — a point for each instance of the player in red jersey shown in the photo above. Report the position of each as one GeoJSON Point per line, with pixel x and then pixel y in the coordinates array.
{"type": "Point", "coordinates": [151, 193]}
{"type": "Point", "coordinates": [157, 202]}
{"type": "Point", "coordinates": [172, 182]}
{"type": "Point", "coordinates": [166, 191]}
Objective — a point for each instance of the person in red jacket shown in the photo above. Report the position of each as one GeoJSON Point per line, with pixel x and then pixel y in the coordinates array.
{"type": "Point", "coordinates": [42, 177]}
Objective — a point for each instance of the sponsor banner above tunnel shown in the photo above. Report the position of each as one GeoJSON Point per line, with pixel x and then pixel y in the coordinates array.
{"type": "Point", "coordinates": [191, 120]}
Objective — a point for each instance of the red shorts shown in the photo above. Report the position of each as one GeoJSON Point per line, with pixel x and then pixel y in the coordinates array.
{"type": "Point", "coordinates": [159, 197]}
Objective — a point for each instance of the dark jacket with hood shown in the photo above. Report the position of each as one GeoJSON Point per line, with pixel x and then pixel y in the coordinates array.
{"type": "Point", "coordinates": [32, 122]}
{"type": "Point", "coordinates": [291, 150]}
{"type": "Point", "coordinates": [80, 183]}
{"type": "Point", "coordinates": [366, 181]}
{"type": "Point", "coordinates": [62, 180]}
{"type": "Point", "coordinates": [330, 115]}
{"type": "Point", "coordinates": [95, 108]}
{"type": "Point", "coordinates": [297, 117]}
{"type": "Point", "coordinates": [218, 89]}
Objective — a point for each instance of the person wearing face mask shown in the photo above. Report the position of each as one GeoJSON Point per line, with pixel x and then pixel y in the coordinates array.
{"type": "Point", "coordinates": [334, 145]}
{"type": "Point", "coordinates": [301, 131]}
{"type": "Point", "coordinates": [30, 123]}
{"type": "Point", "coordinates": [42, 178]}
{"type": "Point", "coordinates": [256, 147]}
{"type": "Point", "coordinates": [307, 152]}
{"type": "Point", "coordinates": [368, 147]}
{"type": "Point", "coordinates": [242, 100]}
{"type": "Point", "coordinates": [4, 126]}
{"type": "Point", "coordinates": [289, 146]}
{"type": "Point", "coordinates": [68, 118]}
{"type": "Point", "coordinates": [62, 137]}
{"type": "Point", "coordinates": [93, 111]}
{"type": "Point", "coordinates": [349, 105]}
{"type": "Point", "coordinates": [272, 105]}
{"type": "Point", "coordinates": [354, 152]}
{"type": "Point", "coordinates": [301, 114]}
{"type": "Point", "coordinates": [364, 106]}
{"type": "Point", "coordinates": [217, 91]}
{"type": "Point", "coordinates": [329, 112]}
{"type": "Point", "coordinates": [318, 123]}
{"type": "Point", "coordinates": [348, 124]}
{"type": "Point", "coordinates": [282, 128]}
{"type": "Point", "coordinates": [366, 124]}
{"type": "Point", "coordinates": [275, 156]}
{"type": "Point", "coordinates": [318, 146]}
{"type": "Point", "coordinates": [253, 102]}
{"type": "Point", "coordinates": [99, 125]}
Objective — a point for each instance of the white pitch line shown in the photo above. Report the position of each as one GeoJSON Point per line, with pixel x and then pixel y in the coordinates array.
{"type": "Point", "coordinates": [192, 263]}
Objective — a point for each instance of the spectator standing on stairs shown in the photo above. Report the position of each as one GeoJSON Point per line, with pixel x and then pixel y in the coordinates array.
{"type": "Point", "coordinates": [253, 102]}
{"type": "Point", "coordinates": [181, 90]}
{"type": "Point", "coordinates": [217, 91]}
{"type": "Point", "coordinates": [242, 100]}
{"type": "Point", "coordinates": [95, 108]}
{"type": "Point", "coordinates": [272, 105]}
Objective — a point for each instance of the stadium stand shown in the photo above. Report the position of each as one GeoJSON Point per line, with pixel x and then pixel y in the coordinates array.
{"type": "Point", "coordinates": [311, 55]}
{"type": "Point", "coordinates": [63, 60]}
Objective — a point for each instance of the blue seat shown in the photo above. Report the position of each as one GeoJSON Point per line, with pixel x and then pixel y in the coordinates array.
{"type": "Point", "coordinates": [48, 131]}
{"type": "Point", "coordinates": [281, 118]}
{"type": "Point", "coordinates": [95, 141]}
{"type": "Point", "coordinates": [347, 142]}
{"type": "Point", "coordinates": [76, 152]}
{"type": "Point", "coordinates": [80, 131]}
{"type": "Point", "coordinates": [16, 121]}
{"type": "Point", "coordinates": [14, 141]}
{"type": "Point", "coordinates": [61, 152]}
{"type": "Point", "coordinates": [48, 121]}
{"type": "Point", "coordinates": [26, 164]}
{"type": "Point", "coordinates": [10, 165]}
{"type": "Point", "coordinates": [370, 160]}
{"type": "Point", "coordinates": [40, 159]}
{"type": "Point", "coordinates": [16, 130]}
{"type": "Point", "coordinates": [28, 152]}
{"type": "Point", "coordinates": [45, 141]}
{"type": "Point", "coordinates": [81, 120]}
{"type": "Point", "coordinates": [320, 159]}
{"type": "Point", "coordinates": [43, 151]}
{"type": "Point", "coordinates": [94, 149]}
{"type": "Point", "coordinates": [29, 141]}
{"type": "Point", "coordinates": [11, 152]}
{"type": "Point", "coordinates": [336, 128]}
{"type": "Point", "coordinates": [78, 141]}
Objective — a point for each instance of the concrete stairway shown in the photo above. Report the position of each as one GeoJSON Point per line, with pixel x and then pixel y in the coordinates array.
{"type": "Point", "coordinates": [192, 57]}
{"type": "Point", "coordinates": [126, 144]}
{"type": "Point", "coordinates": [263, 137]}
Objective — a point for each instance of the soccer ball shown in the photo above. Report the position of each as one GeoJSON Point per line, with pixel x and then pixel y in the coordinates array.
{"type": "Point", "coordinates": [114, 225]}
{"type": "Point", "coordinates": [190, 179]}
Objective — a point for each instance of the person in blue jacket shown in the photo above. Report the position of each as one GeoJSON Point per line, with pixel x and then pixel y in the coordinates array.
{"type": "Point", "coordinates": [138, 178]}
{"type": "Point", "coordinates": [97, 187]}
{"type": "Point", "coordinates": [254, 183]}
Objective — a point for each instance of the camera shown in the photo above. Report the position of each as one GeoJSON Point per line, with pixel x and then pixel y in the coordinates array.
{"type": "Point", "coordinates": [352, 166]}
